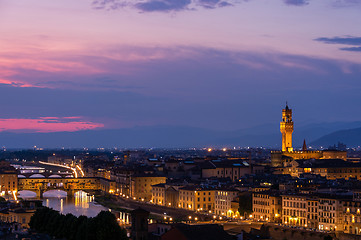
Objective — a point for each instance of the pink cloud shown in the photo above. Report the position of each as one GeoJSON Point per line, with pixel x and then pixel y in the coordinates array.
{"type": "Point", "coordinates": [47, 124]}
{"type": "Point", "coordinates": [15, 83]}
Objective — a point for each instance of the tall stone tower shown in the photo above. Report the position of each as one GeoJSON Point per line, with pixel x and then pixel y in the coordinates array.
{"type": "Point", "coordinates": [286, 127]}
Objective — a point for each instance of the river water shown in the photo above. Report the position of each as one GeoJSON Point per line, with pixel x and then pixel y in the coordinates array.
{"type": "Point", "coordinates": [80, 204]}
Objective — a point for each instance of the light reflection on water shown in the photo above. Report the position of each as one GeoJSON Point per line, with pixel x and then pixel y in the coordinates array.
{"type": "Point", "coordinates": [80, 204]}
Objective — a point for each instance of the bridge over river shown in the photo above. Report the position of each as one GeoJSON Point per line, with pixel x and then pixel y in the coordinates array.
{"type": "Point", "coordinates": [69, 182]}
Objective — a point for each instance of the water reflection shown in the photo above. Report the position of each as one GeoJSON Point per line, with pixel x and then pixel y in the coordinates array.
{"type": "Point", "coordinates": [123, 218]}
{"type": "Point", "coordinates": [80, 204]}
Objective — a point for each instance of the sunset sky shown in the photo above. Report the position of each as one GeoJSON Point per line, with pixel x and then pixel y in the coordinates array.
{"type": "Point", "coordinates": [70, 65]}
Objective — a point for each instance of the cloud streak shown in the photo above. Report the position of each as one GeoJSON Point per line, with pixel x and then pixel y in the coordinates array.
{"type": "Point", "coordinates": [184, 5]}
{"type": "Point", "coordinates": [47, 124]}
{"type": "Point", "coordinates": [162, 5]}
{"type": "Point", "coordinates": [349, 41]}
{"type": "Point", "coordinates": [352, 49]}
{"type": "Point", "coordinates": [297, 2]}
{"type": "Point", "coordinates": [355, 41]}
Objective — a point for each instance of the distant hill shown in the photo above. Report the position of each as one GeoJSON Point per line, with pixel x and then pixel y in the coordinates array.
{"type": "Point", "coordinates": [350, 137]}
{"type": "Point", "coordinates": [267, 135]}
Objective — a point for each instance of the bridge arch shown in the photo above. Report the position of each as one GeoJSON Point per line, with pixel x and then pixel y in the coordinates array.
{"type": "Point", "coordinates": [37, 176]}
{"type": "Point", "coordinates": [55, 176]}
{"type": "Point", "coordinates": [27, 194]}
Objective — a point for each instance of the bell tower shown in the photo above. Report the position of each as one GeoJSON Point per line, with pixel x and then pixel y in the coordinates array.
{"type": "Point", "coordinates": [286, 128]}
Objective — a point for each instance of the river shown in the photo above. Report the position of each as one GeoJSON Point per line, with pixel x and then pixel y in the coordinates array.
{"type": "Point", "coordinates": [80, 204]}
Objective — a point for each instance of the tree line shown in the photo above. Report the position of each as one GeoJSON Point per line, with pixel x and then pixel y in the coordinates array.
{"type": "Point", "coordinates": [102, 227]}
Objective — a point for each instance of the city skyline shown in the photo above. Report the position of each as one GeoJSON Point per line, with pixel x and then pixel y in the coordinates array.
{"type": "Point", "coordinates": [218, 65]}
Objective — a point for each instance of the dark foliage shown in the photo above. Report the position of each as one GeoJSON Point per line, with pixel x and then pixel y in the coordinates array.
{"type": "Point", "coordinates": [245, 203]}
{"type": "Point", "coordinates": [102, 227]}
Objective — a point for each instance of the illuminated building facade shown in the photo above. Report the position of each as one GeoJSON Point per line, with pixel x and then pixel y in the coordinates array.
{"type": "Point", "coordinates": [158, 194]}
{"type": "Point", "coordinates": [351, 211]}
{"type": "Point", "coordinates": [8, 179]}
{"type": "Point", "coordinates": [267, 206]}
{"type": "Point", "coordinates": [141, 185]}
{"type": "Point", "coordinates": [329, 214]}
{"type": "Point", "coordinates": [223, 202]}
{"type": "Point", "coordinates": [294, 209]}
{"type": "Point", "coordinates": [197, 198]}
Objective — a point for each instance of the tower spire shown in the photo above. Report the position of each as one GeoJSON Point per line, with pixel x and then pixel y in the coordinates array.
{"type": "Point", "coordinates": [304, 147]}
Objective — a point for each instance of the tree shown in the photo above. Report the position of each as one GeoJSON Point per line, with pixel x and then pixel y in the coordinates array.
{"type": "Point", "coordinates": [328, 237]}
{"type": "Point", "coordinates": [245, 203]}
{"type": "Point", "coordinates": [102, 227]}
{"type": "Point", "coordinates": [108, 228]}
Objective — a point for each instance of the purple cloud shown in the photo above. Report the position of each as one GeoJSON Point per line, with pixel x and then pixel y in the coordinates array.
{"type": "Point", "coordinates": [162, 5]}
{"type": "Point", "coordinates": [296, 2]}
{"type": "Point", "coordinates": [352, 49]}
{"type": "Point", "coordinates": [349, 40]}
{"type": "Point", "coordinates": [211, 4]}
{"type": "Point", "coordinates": [109, 4]}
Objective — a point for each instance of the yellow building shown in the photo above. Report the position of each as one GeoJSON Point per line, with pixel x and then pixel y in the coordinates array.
{"type": "Point", "coordinates": [312, 213]}
{"type": "Point", "coordinates": [8, 179]}
{"type": "Point", "coordinates": [329, 168]}
{"type": "Point", "coordinates": [141, 185]}
{"type": "Point", "coordinates": [267, 206]}
{"type": "Point", "coordinates": [158, 194]}
{"type": "Point", "coordinates": [165, 195]}
{"type": "Point", "coordinates": [197, 198]}
{"type": "Point", "coordinates": [107, 185]}
{"type": "Point", "coordinates": [223, 202]}
{"type": "Point", "coordinates": [294, 209]}
{"type": "Point", "coordinates": [351, 211]}
{"type": "Point", "coordinates": [330, 213]}
{"type": "Point", "coordinates": [332, 154]}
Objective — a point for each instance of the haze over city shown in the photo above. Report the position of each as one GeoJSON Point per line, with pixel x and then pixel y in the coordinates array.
{"type": "Point", "coordinates": [199, 65]}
